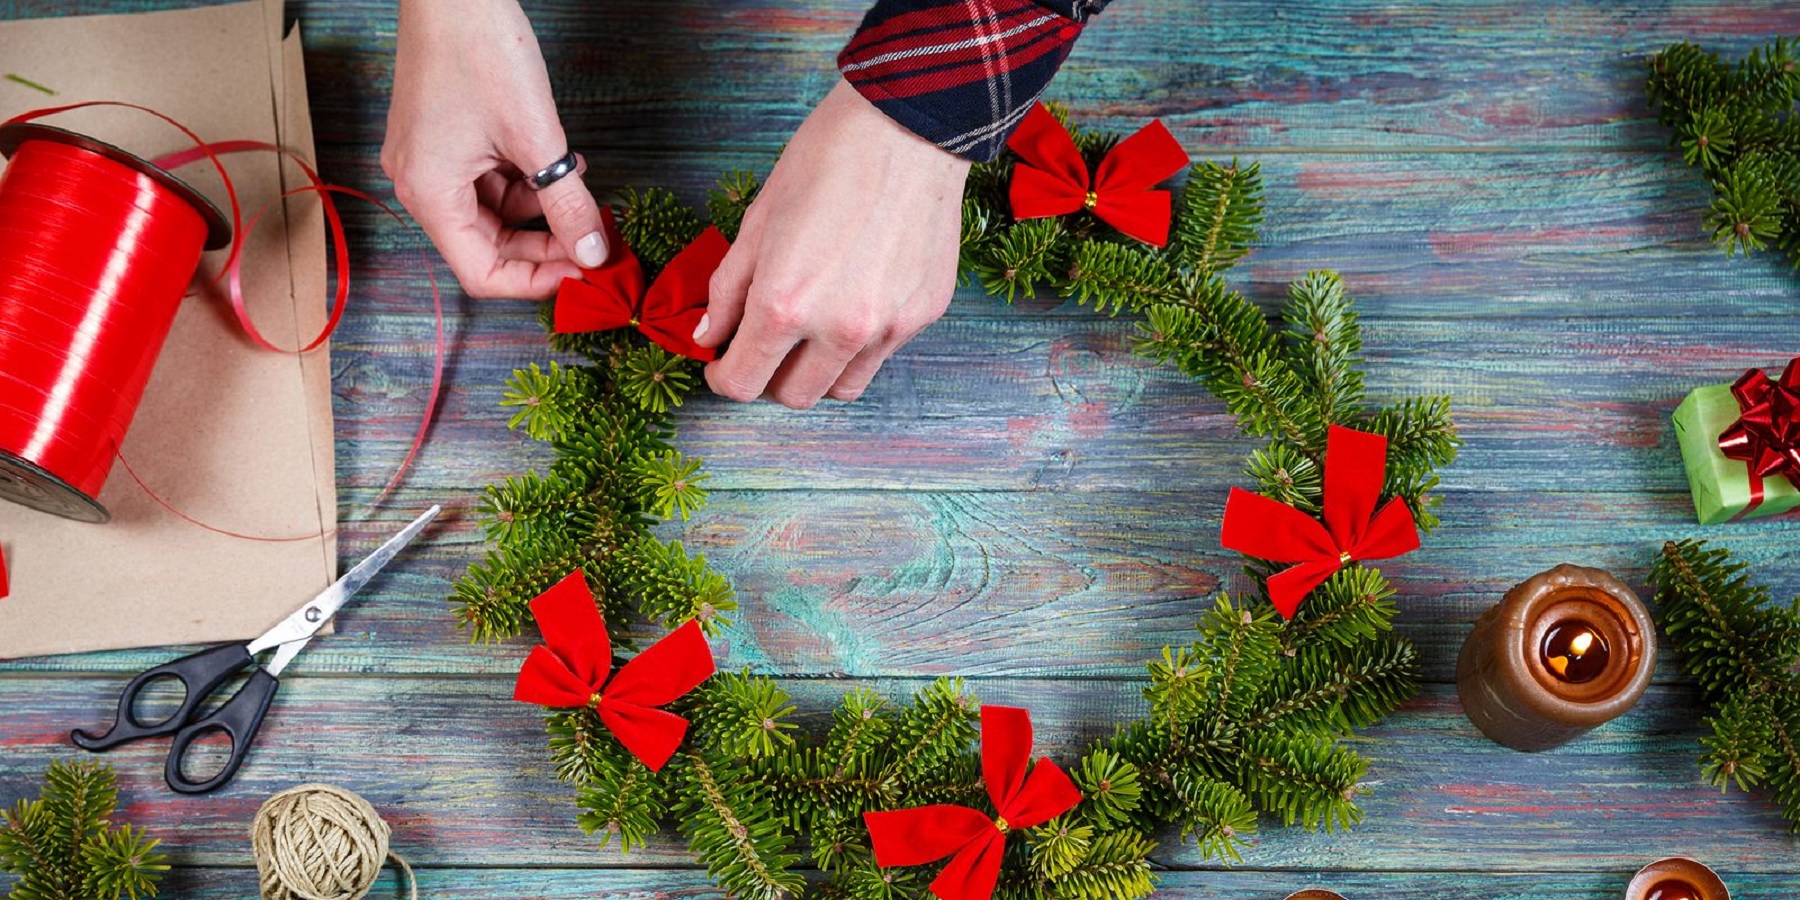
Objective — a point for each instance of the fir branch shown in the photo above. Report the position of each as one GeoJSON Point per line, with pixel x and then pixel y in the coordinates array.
{"type": "Point", "coordinates": [1353, 606]}
{"type": "Point", "coordinates": [656, 379]}
{"type": "Point", "coordinates": [743, 717]}
{"type": "Point", "coordinates": [617, 795]}
{"type": "Point", "coordinates": [1305, 779]}
{"type": "Point", "coordinates": [1216, 815]}
{"type": "Point", "coordinates": [731, 826]}
{"type": "Point", "coordinates": [656, 225]}
{"type": "Point", "coordinates": [671, 484]}
{"type": "Point", "coordinates": [1018, 260]}
{"type": "Point", "coordinates": [1110, 277]}
{"type": "Point", "coordinates": [1216, 217]}
{"type": "Point", "coordinates": [938, 725]}
{"type": "Point", "coordinates": [64, 846]}
{"type": "Point", "coordinates": [1739, 125]}
{"type": "Point", "coordinates": [1114, 866]}
{"type": "Point", "coordinates": [1744, 650]}
{"type": "Point", "coordinates": [668, 586]}
{"type": "Point", "coordinates": [1324, 342]}
{"type": "Point", "coordinates": [730, 198]}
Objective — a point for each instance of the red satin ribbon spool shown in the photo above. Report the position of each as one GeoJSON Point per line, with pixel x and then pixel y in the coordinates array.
{"type": "Point", "coordinates": [97, 248]}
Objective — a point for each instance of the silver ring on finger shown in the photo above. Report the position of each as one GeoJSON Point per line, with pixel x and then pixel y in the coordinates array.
{"type": "Point", "coordinates": [553, 172]}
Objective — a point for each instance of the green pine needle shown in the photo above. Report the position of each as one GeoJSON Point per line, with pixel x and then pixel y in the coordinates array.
{"type": "Point", "coordinates": [1744, 650]}
{"type": "Point", "coordinates": [64, 846]}
{"type": "Point", "coordinates": [1739, 125]}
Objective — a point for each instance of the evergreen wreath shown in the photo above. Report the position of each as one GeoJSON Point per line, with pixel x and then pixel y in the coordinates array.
{"type": "Point", "coordinates": [63, 846]}
{"type": "Point", "coordinates": [1738, 124]}
{"type": "Point", "coordinates": [1743, 649]}
{"type": "Point", "coordinates": [1245, 720]}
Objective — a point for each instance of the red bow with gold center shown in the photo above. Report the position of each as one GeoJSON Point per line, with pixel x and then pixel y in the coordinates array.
{"type": "Point", "coordinates": [912, 837]}
{"type": "Point", "coordinates": [1353, 531]}
{"type": "Point", "coordinates": [667, 311]}
{"type": "Point", "coordinates": [1051, 178]}
{"type": "Point", "coordinates": [571, 669]}
{"type": "Point", "coordinates": [1766, 435]}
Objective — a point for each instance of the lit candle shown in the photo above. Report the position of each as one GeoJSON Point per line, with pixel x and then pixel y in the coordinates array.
{"type": "Point", "coordinates": [1563, 652]}
{"type": "Point", "coordinates": [1315, 894]}
{"type": "Point", "coordinates": [1677, 878]}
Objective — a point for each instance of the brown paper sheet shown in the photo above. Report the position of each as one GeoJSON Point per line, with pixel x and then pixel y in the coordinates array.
{"type": "Point", "coordinates": [236, 436]}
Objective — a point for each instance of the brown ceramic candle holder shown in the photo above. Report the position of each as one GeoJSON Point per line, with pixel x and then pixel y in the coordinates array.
{"type": "Point", "coordinates": [1563, 652]}
{"type": "Point", "coordinates": [1677, 878]}
{"type": "Point", "coordinates": [1315, 894]}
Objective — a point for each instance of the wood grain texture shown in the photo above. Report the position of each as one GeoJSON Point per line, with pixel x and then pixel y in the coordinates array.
{"type": "Point", "coordinates": [666, 884]}
{"type": "Point", "coordinates": [460, 772]}
{"type": "Point", "coordinates": [1020, 500]}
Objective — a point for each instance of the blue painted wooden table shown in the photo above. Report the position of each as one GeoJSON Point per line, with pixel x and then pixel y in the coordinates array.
{"type": "Point", "coordinates": [1018, 499]}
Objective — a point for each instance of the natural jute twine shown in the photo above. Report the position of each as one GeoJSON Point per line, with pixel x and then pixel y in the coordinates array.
{"type": "Point", "coordinates": [320, 842]}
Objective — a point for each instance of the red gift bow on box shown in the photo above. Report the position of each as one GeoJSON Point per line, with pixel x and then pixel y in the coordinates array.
{"type": "Point", "coordinates": [1052, 178]}
{"type": "Point", "coordinates": [1766, 436]}
{"type": "Point", "coordinates": [572, 671]}
{"type": "Point", "coordinates": [1355, 466]}
{"type": "Point", "coordinates": [912, 837]}
{"type": "Point", "coordinates": [614, 295]}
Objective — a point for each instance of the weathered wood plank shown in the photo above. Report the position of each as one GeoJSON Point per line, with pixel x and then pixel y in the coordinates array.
{"type": "Point", "coordinates": [1593, 232]}
{"type": "Point", "coordinates": [1092, 584]}
{"type": "Point", "coordinates": [1001, 490]}
{"type": "Point", "coordinates": [1020, 401]}
{"type": "Point", "coordinates": [462, 775]}
{"type": "Point", "coordinates": [665, 884]}
{"type": "Point", "coordinates": [1226, 73]}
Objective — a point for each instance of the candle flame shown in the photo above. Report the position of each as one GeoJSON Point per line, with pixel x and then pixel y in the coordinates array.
{"type": "Point", "coordinates": [1582, 642]}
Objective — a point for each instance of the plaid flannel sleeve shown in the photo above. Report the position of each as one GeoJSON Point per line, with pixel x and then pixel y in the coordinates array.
{"type": "Point", "coordinates": [962, 73]}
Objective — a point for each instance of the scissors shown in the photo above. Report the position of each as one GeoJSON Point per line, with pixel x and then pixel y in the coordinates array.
{"type": "Point", "coordinates": [202, 673]}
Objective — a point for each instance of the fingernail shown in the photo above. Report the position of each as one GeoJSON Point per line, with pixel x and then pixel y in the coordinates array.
{"type": "Point", "coordinates": [590, 251]}
{"type": "Point", "coordinates": [700, 329]}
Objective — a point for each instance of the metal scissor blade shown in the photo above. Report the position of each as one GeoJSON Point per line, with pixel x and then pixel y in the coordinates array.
{"type": "Point", "coordinates": [306, 621]}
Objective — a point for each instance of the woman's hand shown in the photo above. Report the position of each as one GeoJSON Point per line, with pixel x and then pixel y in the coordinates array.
{"type": "Point", "coordinates": [471, 116]}
{"type": "Point", "coordinates": [849, 251]}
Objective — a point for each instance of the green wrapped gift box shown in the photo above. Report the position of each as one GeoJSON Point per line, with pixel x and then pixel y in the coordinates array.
{"type": "Point", "coordinates": [1721, 485]}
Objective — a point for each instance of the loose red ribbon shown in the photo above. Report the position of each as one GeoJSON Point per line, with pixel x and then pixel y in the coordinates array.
{"type": "Point", "coordinates": [667, 312]}
{"type": "Point", "coordinates": [1051, 178]}
{"type": "Point", "coordinates": [1355, 466]}
{"type": "Point", "coordinates": [230, 276]}
{"type": "Point", "coordinates": [1766, 436]}
{"type": "Point", "coordinates": [974, 842]}
{"type": "Point", "coordinates": [571, 669]}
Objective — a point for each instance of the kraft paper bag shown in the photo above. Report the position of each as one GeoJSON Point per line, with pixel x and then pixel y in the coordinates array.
{"type": "Point", "coordinates": [233, 435]}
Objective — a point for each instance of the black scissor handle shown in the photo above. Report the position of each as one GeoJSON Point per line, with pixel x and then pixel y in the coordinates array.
{"type": "Point", "coordinates": [238, 719]}
{"type": "Point", "coordinates": [199, 674]}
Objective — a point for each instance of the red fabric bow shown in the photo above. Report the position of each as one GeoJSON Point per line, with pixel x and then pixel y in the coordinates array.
{"type": "Point", "coordinates": [911, 837]}
{"type": "Point", "coordinates": [614, 295]}
{"type": "Point", "coordinates": [1355, 466]}
{"type": "Point", "coordinates": [1766, 435]}
{"type": "Point", "coordinates": [1052, 178]}
{"type": "Point", "coordinates": [572, 671]}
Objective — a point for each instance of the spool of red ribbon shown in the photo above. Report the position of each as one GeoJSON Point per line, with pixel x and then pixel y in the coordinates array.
{"type": "Point", "coordinates": [97, 247]}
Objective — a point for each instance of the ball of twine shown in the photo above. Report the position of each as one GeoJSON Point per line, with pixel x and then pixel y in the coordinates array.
{"type": "Point", "coordinates": [321, 842]}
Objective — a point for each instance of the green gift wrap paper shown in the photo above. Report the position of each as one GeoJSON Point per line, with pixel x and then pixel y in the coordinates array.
{"type": "Point", "coordinates": [1720, 485]}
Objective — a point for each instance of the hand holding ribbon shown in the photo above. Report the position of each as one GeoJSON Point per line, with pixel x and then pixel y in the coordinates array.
{"type": "Point", "coordinates": [1355, 467]}
{"type": "Point", "coordinates": [1051, 178]}
{"type": "Point", "coordinates": [975, 843]}
{"type": "Point", "coordinates": [667, 312]}
{"type": "Point", "coordinates": [571, 670]}
{"type": "Point", "coordinates": [1766, 436]}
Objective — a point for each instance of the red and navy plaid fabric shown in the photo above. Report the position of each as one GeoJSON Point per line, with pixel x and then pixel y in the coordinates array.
{"type": "Point", "coordinates": [962, 73]}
